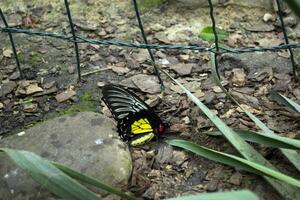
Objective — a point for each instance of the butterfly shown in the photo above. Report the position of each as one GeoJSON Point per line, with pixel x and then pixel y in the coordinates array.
{"type": "Point", "coordinates": [137, 122]}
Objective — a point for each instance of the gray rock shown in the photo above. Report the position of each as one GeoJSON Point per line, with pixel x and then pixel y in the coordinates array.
{"type": "Point", "coordinates": [46, 92]}
{"type": "Point", "coordinates": [246, 99]}
{"type": "Point", "coordinates": [141, 56]}
{"type": "Point", "coordinates": [212, 185]}
{"type": "Point", "coordinates": [7, 88]}
{"type": "Point", "coordinates": [146, 83]}
{"type": "Point", "coordinates": [13, 20]}
{"type": "Point", "coordinates": [64, 96]}
{"type": "Point", "coordinates": [259, 26]}
{"type": "Point", "coordinates": [166, 154]}
{"type": "Point", "coordinates": [238, 77]}
{"type": "Point", "coordinates": [143, 82]}
{"type": "Point", "coordinates": [256, 61]}
{"type": "Point", "coordinates": [86, 25]}
{"type": "Point", "coordinates": [236, 179]}
{"type": "Point", "coordinates": [86, 142]}
{"type": "Point", "coordinates": [14, 76]}
{"type": "Point", "coordinates": [183, 69]}
{"type": "Point", "coordinates": [291, 33]}
{"type": "Point", "coordinates": [289, 21]}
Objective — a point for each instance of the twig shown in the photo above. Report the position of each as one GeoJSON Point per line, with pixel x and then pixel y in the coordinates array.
{"type": "Point", "coordinates": [95, 71]}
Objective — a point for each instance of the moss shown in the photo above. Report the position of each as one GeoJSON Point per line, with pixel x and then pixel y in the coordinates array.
{"type": "Point", "coordinates": [145, 5]}
{"type": "Point", "coordinates": [35, 59]}
{"type": "Point", "coordinates": [86, 103]}
{"type": "Point", "coordinates": [128, 165]}
{"type": "Point", "coordinates": [21, 56]}
{"type": "Point", "coordinates": [87, 96]}
{"type": "Point", "coordinates": [83, 106]}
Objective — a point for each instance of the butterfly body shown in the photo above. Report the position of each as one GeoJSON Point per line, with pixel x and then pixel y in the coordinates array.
{"type": "Point", "coordinates": [137, 122]}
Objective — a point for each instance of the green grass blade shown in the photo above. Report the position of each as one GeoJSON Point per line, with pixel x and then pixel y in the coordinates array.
{"type": "Point", "coordinates": [274, 141]}
{"type": "Point", "coordinates": [285, 101]}
{"type": "Point", "coordinates": [49, 176]}
{"type": "Point", "coordinates": [294, 5]}
{"type": "Point", "coordinates": [234, 161]}
{"type": "Point", "coordinates": [239, 144]}
{"type": "Point", "coordinates": [294, 158]}
{"type": "Point", "coordinates": [86, 179]}
{"type": "Point", "coordinates": [235, 195]}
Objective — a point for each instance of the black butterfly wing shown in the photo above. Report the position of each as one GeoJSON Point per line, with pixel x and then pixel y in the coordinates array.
{"type": "Point", "coordinates": [135, 125]}
{"type": "Point", "coordinates": [137, 122]}
{"type": "Point", "coordinates": [121, 102]}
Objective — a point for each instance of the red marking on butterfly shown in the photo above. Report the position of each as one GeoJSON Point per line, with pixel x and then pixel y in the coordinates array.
{"type": "Point", "coordinates": [160, 129]}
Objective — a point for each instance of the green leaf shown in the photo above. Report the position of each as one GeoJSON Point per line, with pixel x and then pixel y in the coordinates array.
{"type": "Point", "coordinates": [59, 183]}
{"type": "Point", "coordinates": [239, 144]}
{"type": "Point", "coordinates": [234, 161]}
{"type": "Point", "coordinates": [235, 195]}
{"type": "Point", "coordinates": [294, 5]}
{"type": "Point", "coordinates": [293, 157]}
{"type": "Point", "coordinates": [274, 141]}
{"type": "Point", "coordinates": [285, 101]}
{"type": "Point", "coordinates": [27, 101]}
{"type": "Point", "coordinates": [87, 179]}
{"type": "Point", "coordinates": [207, 34]}
{"type": "Point", "coordinates": [49, 176]}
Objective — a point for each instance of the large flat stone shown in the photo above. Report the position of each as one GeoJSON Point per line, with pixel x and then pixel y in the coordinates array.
{"type": "Point", "coordinates": [7, 88]}
{"type": "Point", "coordinates": [85, 141]}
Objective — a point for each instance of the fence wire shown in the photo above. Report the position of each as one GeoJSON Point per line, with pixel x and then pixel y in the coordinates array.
{"type": "Point", "coordinates": [76, 39]}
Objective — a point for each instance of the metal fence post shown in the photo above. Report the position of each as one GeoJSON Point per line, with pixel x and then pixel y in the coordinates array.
{"type": "Point", "coordinates": [146, 42]}
{"type": "Point", "coordinates": [295, 68]}
{"type": "Point", "coordinates": [216, 40]}
{"type": "Point", "coordinates": [12, 44]}
{"type": "Point", "coordinates": [74, 38]}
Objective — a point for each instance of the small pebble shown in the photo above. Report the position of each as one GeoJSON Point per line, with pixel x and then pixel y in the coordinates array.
{"type": "Point", "coordinates": [100, 84]}
{"type": "Point", "coordinates": [21, 133]}
{"type": "Point", "coordinates": [268, 17]}
{"type": "Point", "coordinates": [186, 120]}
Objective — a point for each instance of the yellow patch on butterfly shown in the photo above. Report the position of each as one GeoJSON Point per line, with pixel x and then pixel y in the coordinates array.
{"type": "Point", "coordinates": [142, 140]}
{"type": "Point", "coordinates": [141, 126]}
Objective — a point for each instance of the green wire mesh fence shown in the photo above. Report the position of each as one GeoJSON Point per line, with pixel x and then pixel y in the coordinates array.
{"type": "Point", "coordinates": [76, 39]}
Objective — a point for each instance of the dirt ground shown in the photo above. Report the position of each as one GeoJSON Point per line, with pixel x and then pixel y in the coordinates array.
{"type": "Point", "coordinates": [51, 88]}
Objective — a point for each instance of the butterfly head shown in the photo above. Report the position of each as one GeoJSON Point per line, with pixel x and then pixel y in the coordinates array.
{"type": "Point", "coordinates": [160, 129]}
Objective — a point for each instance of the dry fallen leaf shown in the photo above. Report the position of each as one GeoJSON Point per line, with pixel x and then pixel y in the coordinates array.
{"type": "Point", "coordinates": [7, 53]}
{"type": "Point", "coordinates": [248, 108]}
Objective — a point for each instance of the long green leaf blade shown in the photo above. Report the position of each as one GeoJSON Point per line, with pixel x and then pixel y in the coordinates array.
{"type": "Point", "coordinates": [87, 179]}
{"type": "Point", "coordinates": [274, 141]}
{"type": "Point", "coordinates": [235, 195]}
{"type": "Point", "coordinates": [285, 101]}
{"type": "Point", "coordinates": [234, 161]}
{"type": "Point", "coordinates": [243, 147]}
{"type": "Point", "coordinates": [294, 5]}
{"type": "Point", "coordinates": [294, 158]}
{"type": "Point", "coordinates": [49, 176]}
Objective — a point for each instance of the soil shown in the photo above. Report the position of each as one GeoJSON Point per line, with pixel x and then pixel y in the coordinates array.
{"type": "Point", "coordinates": [159, 170]}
